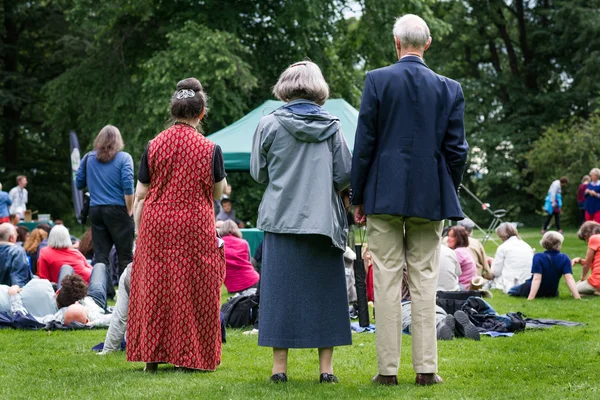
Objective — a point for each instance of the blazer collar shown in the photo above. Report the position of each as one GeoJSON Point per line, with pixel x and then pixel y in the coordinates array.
{"type": "Point", "coordinates": [413, 59]}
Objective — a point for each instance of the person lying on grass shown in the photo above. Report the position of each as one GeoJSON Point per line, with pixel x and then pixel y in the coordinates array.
{"type": "Point", "coordinates": [39, 300]}
{"type": "Point", "coordinates": [547, 269]}
{"type": "Point", "coordinates": [590, 233]}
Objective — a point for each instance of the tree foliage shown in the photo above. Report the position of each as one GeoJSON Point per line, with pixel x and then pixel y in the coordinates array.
{"type": "Point", "coordinates": [81, 64]}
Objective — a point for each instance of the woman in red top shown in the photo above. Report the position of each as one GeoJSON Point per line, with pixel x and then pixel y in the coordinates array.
{"type": "Point", "coordinates": [240, 275]}
{"type": "Point", "coordinates": [60, 252]}
{"type": "Point", "coordinates": [178, 268]}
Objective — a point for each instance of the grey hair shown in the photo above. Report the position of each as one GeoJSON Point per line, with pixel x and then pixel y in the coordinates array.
{"type": "Point", "coordinates": [6, 231]}
{"type": "Point", "coordinates": [230, 228]}
{"type": "Point", "coordinates": [468, 224]}
{"type": "Point", "coordinates": [552, 240]}
{"type": "Point", "coordinates": [59, 237]}
{"type": "Point", "coordinates": [507, 230]}
{"type": "Point", "coordinates": [302, 80]}
{"type": "Point", "coordinates": [595, 171]}
{"type": "Point", "coordinates": [412, 32]}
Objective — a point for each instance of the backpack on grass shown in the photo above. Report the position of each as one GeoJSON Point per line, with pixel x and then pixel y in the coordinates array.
{"type": "Point", "coordinates": [240, 311]}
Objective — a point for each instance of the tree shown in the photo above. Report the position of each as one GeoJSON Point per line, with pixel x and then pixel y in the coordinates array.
{"type": "Point", "coordinates": [570, 148]}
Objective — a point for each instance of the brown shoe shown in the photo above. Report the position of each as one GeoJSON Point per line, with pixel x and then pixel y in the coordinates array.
{"type": "Point", "coordinates": [428, 379]}
{"type": "Point", "coordinates": [388, 380]}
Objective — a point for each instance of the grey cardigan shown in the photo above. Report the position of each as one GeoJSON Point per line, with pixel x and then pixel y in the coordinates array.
{"type": "Point", "coordinates": [305, 161]}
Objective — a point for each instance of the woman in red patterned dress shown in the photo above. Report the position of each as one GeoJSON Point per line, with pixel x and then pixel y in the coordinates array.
{"type": "Point", "coordinates": [178, 267]}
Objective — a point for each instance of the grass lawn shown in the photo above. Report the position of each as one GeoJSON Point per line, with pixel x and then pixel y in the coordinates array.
{"type": "Point", "coordinates": [549, 364]}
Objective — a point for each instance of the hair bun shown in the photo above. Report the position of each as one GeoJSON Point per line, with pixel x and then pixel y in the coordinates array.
{"type": "Point", "coordinates": [189, 84]}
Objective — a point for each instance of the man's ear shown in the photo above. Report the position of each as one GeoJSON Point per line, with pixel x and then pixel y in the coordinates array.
{"type": "Point", "coordinates": [398, 45]}
{"type": "Point", "coordinates": [428, 44]}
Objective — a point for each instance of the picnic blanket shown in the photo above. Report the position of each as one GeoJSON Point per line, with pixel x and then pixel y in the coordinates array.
{"type": "Point", "coordinates": [27, 321]}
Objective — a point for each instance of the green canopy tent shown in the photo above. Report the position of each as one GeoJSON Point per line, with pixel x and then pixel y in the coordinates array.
{"type": "Point", "coordinates": [236, 139]}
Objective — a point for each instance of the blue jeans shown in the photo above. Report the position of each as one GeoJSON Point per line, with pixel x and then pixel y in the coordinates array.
{"type": "Point", "coordinates": [98, 282]}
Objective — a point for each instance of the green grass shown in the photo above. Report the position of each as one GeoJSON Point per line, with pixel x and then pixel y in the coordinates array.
{"type": "Point", "coordinates": [546, 364]}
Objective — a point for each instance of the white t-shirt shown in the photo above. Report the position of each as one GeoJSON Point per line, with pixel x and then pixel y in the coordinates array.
{"type": "Point", "coordinates": [19, 199]}
{"type": "Point", "coordinates": [449, 270]}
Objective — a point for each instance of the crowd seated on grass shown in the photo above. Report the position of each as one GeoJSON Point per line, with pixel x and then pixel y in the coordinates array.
{"type": "Point", "coordinates": [38, 298]}
{"type": "Point", "coordinates": [547, 269]}
{"type": "Point", "coordinates": [31, 246]}
{"type": "Point", "coordinates": [60, 252]}
{"type": "Point", "coordinates": [590, 233]}
{"type": "Point", "coordinates": [240, 275]}
{"type": "Point", "coordinates": [512, 264]}
{"type": "Point", "coordinates": [14, 266]}
{"type": "Point", "coordinates": [458, 240]}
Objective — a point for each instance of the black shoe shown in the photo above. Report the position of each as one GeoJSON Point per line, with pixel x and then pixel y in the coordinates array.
{"type": "Point", "coordinates": [445, 329]}
{"type": "Point", "coordinates": [279, 378]}
{"type": "Point", "coordinates": [464, 326]}
{"type": "Point", "coordinates": [328, 378]}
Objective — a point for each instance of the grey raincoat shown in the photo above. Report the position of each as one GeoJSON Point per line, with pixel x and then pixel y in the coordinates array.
{"type": "Point", "coordinates": [305, 161]}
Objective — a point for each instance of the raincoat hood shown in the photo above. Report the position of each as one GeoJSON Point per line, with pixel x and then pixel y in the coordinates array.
{"type": "Point", "coordinates": [307, 121]}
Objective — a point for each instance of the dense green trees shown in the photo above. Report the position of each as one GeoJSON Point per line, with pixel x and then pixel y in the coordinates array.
{"type": "Point", "coordinates": [80, 64]}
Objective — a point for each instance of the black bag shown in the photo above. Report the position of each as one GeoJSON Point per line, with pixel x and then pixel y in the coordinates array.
{"type": "Point", "coordinates": [453, 301]}
{"type": "Point", "coordinates": [517, 322]}
{"type": "Point", "coordinates": [85, 209]}
{"type": "Point", "coordinates": [240, 311]}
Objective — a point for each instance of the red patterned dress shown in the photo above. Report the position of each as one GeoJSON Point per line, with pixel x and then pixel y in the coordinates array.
{"type": "Point", "coordinates": [178, 268]}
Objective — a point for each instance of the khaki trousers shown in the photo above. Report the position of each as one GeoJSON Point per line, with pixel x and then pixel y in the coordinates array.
{"type": "Point", "coordinates": [395, 241]}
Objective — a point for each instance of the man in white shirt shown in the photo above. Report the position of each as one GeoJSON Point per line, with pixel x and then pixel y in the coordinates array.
{"type": "Point", "coordinates": [18, 196]}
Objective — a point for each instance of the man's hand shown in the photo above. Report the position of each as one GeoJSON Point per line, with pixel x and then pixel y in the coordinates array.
{"type": "Point", "coordinates": [359, 215]}
{"type": "Point", "coordinates": [14, 290]}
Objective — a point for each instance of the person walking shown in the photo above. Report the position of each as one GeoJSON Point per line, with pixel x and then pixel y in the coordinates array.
{"type": "Point", "coordinates": [179, 267]}
{"type": "Point", "coordinates": [299, 151]}
{"type": "Point", "coordinates": [410, 131]}
{"type": "Point", "coordinates": [107, 172]}
{"type": "Point", "coordinates": [592, 197]}
{"type": "Point", "coordinates": [553, 203]}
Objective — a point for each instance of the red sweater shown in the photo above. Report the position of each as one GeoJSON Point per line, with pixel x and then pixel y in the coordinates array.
{"type": "Point", "coordinates": [50, 261]}
{"type": "Point", "coordinates": [240, 274]}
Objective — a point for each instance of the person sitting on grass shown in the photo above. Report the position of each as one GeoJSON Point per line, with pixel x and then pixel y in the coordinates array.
{"type": "Point", "coordinates": [590, 232]}
{"type": "Point", "coordinates": [482, 261]}
{"type": "Point", "coordinates": [22, 235]}
{"type": "Point", "coordinates": [458, 240]}
{"type": "Point", "coordinates": [228, 214]}
{"type": "Point", "coordinates": [118, 320]}
{"type": "Point", "coordinates": [547, 268]}
{"type": "Point", "coordinates": [240, 276]}
{"type": "Point", "coordinates": [32, 244]}
{"type": "Point", "coordinates": [14, 266]}
{"type": "Point", "coordinates": [512, 264]}
{"type": "Point", "coordinates": [38, 298]}
{"type": "Point", "coordinates": [60, 252]}
{"type": "Point", "coordinates": [449, 270]}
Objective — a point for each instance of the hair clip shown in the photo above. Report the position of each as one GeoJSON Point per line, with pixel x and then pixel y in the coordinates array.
{"type": "Point", "coordinates": [184, 94]}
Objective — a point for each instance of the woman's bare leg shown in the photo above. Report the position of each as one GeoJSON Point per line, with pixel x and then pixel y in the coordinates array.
{"type": "Point", "coordinates": [280, 357]}
{"type": "Point", "coordinates": [326, 360]}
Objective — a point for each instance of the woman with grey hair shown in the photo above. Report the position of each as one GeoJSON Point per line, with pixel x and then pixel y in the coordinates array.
{"type": "Point", "coordinates": [592, 197]}
{"type": "Point", "coordinates": [300, 153]}
{"type": "Point", "coordinates": [512, 264]}
{"type": "Point", "coordinates": [60, 252]}
{"type": "Point", "coordinates": [547, 269]}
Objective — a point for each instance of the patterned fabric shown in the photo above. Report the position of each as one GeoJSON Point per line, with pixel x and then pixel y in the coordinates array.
{"type": "Point", "coordinates": [178, 269]}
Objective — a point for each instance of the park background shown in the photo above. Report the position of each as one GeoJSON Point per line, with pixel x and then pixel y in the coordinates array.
{"type": "Point", "coordinates": [529, 70]}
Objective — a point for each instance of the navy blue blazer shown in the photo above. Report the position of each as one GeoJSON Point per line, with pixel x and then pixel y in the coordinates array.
{"type": "Point", "coordinates": [410, 149]}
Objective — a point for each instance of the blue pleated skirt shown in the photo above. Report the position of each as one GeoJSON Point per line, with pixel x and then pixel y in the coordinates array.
{"type": "Point", "coordinates": [303, 297]}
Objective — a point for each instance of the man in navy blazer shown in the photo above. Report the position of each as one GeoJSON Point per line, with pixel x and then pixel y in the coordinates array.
{"type": "Point", "coordinates": [409, 156]}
